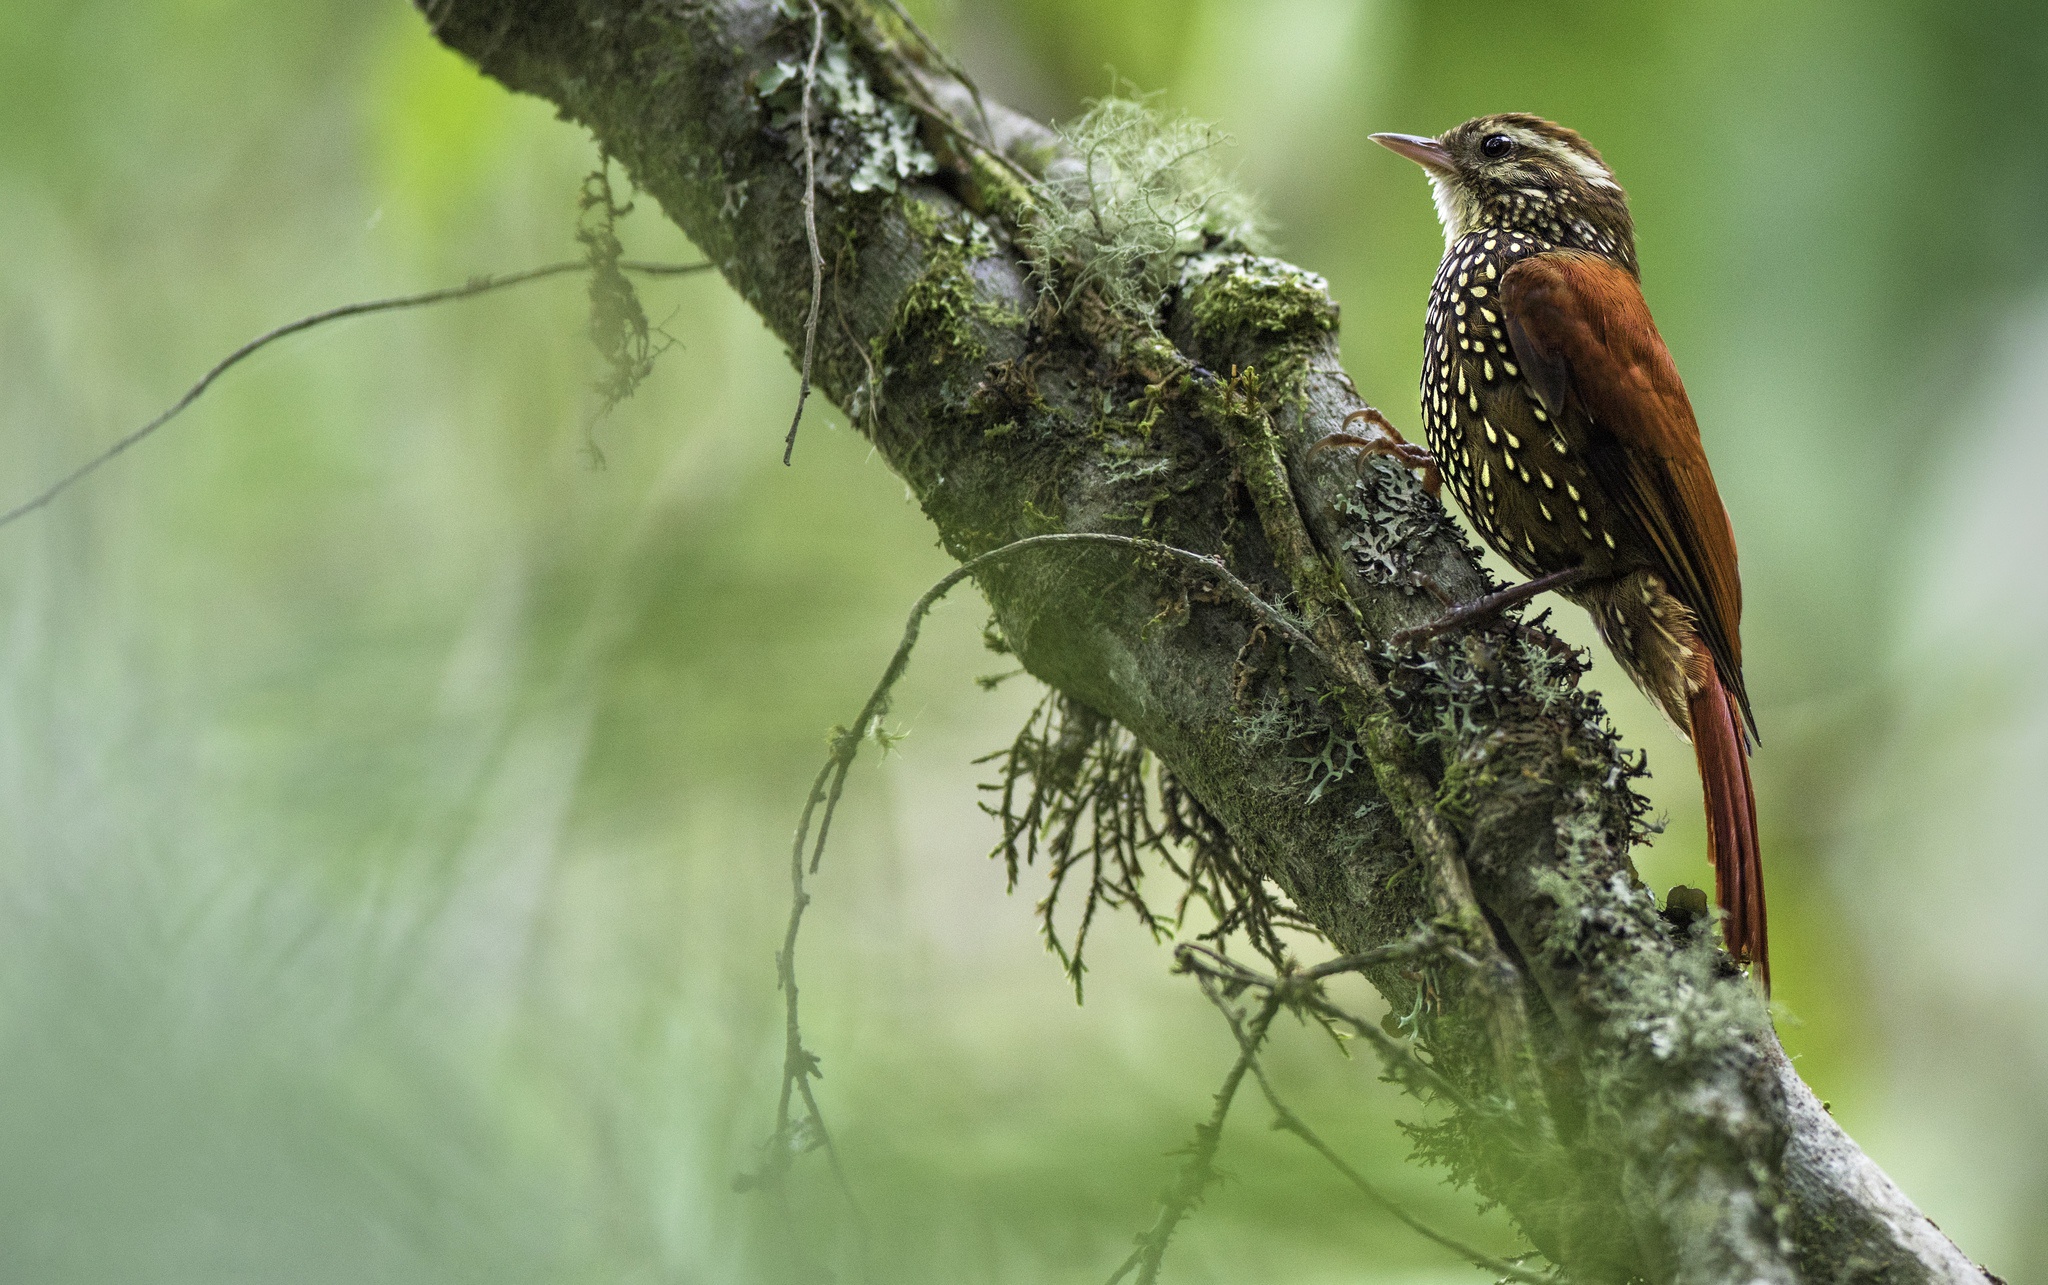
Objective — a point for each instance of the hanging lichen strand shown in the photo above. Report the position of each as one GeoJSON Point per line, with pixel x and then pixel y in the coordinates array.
{"type": "Point", "coordinates": [1078, 792]}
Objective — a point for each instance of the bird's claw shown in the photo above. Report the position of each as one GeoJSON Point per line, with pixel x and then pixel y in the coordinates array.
{"type": "Point", "coordinates": [1382, 438]}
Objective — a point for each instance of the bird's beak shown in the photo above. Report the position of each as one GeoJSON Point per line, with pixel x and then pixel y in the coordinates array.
{"type": "Point", "coordinates": [1426, 152]}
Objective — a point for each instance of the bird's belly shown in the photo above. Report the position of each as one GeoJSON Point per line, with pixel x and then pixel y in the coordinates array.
{"type": "Point", "coordinates": [1519, 475]}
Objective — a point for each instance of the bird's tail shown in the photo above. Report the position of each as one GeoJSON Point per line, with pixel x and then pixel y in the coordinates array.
{"type": "Point", "coordinates": [1723, 754]}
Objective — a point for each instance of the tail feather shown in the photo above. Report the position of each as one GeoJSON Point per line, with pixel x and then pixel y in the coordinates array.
{"type": "Point", "coordinates": [1723, 755]}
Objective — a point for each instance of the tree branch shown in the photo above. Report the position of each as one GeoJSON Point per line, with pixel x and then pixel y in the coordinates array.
{"type": "Point", "coordinates": [1637, 1117]}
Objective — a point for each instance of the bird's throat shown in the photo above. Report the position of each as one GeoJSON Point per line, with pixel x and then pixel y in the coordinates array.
{"type": "Point", "coordinates": [1455, 208]}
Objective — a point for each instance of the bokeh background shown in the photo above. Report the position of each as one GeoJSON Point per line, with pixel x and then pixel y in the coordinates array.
{"type": "Point", "coordinates": [393, 801]}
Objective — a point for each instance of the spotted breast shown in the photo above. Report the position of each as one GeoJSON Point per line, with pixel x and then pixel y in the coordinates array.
{"type": "Point", "coordinates": [1514, 467]}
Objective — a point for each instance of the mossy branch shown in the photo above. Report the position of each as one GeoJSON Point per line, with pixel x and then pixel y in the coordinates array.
{"type": "Point", "coordinates": [1685, 1150]}
{"type": "Point", "coordinates": [1389, 748]}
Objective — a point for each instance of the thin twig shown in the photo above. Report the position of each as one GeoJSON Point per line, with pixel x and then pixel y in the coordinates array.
{"type": "Point", "coordinates": [1249, 1038]}
{"type": "Point", "coordinates": [803, 391]}
{"type": "Point", "coordinates": [952, 68]}
{"type": "Point", "coordinates": [929, 108]}
{"type": "Point", "coordinates": [799, 1065]}
{"type": "Point", "coordinates": [867, 359]}
{"type": "Point", "coordinates": [1425, 942]}
{"type": "Point", "coordinates": [912, 81]}
{"type": "Point", "coordinates": [1200, 1169]}
{"type": "Point", "coordinates": [1191, 957]}
{"type": "Point", "coordinates": [847, 740]}
{"type": "Point", "coordinates": [469, 289]}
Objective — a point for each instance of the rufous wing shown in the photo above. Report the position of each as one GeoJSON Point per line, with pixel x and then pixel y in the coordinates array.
{"type": "Point", "coordinates": [1588, 347]}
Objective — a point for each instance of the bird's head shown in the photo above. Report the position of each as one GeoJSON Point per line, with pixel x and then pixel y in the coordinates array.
{"type": "Point", "coordinates": [1517, 171]}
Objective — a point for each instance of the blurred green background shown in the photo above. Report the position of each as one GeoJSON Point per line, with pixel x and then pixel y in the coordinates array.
{"type": "Point", "coordinates": [393, 803]}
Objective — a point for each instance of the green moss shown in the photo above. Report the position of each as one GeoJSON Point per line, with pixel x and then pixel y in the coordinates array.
{"type": "Point", "coordinates": [1243, 409]}
{"type": "Point", "coordinates": [1039, 522]}
{"type": "Point", "coordinates": [1240, 300]}
{"type": "Point", "coordinates": [924, 217]}
{"type": "Point", "coordinates": [939, 318]}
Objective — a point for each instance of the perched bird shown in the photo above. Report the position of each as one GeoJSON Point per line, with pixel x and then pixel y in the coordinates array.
{"type": "Point", "coordinates": [1556, 416]}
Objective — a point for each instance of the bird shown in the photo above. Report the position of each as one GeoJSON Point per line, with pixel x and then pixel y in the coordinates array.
{"type": "Point", "coordinates": [1556, 417]}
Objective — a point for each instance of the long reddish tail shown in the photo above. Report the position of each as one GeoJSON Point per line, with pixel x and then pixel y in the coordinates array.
{"type": "Point", "coordinates": [1723, 755]}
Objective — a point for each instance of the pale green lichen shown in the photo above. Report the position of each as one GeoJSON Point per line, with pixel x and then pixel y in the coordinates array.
{"type": "Point", "coordinates": [870, 143]}
{"type": "Point", "coordinates": [1323, 750]}
{"type": "Point", "coordinates": [1678, 1006]}
{"type": "Point", "coordinates": [1142, 192]}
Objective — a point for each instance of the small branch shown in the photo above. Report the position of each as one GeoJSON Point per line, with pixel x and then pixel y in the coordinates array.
{"type": "Point", "coordinates": [1249, 1040]}
{"type": "Point", "coordinates": [469, 289]}
{"type": "Point", "coordinates": [803, 391]}
{"type": "Point", "coordinates": [953, 69]}
{"type": "Point", "coordinates": [1425, 942]}
{"type": "Point", "coordinates": [846, 741]}
{"type": "Point", "coordinates": [1401, 1060]}
{"type": "Point", "coordinates": [1200, 1170]}
{"type": "Point", "coordinates": [799, 1065]}
{"type": "Point", "coordinates": [1222, 978]}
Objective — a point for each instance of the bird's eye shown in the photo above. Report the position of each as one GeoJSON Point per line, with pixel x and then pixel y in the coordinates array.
{"type": "Point", "coordinates": [1496, 146]}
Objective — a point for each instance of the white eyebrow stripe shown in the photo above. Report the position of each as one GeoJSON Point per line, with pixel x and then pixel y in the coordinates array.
{"type": "Point", "coordinates": [1589, 169]}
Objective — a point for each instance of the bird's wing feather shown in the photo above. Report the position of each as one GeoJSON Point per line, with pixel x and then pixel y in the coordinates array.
{"type": "Point", "coordinates": [1583, 334]}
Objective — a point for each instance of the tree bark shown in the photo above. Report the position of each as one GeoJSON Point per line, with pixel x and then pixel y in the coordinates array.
{"type": "Point", "coordinates": [1643, 1122]}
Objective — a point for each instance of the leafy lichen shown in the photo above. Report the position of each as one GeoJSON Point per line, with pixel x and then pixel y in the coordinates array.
{"type": "Point", "coordinates": [867, 143]}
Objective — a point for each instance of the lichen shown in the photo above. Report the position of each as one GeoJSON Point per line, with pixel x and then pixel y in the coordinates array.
{"type": "Point", "coordinates": [865, 143]}
{"type": "Point", "coordinates": [1322, 748]}
{"type": "Point", "coordinates": [1077, 791]}
{"type": "Point", "coordinates": [1143, 191]}
{"type": "Point", "coordinates": [1690, 1004]}
{"type": "Point", "coordinates": [619, 328]}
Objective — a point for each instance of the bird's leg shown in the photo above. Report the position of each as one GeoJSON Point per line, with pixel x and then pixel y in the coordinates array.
{"type": "Point", "coordinates": [1491, 605]}
{"type": "Point", "coordinates": [1436, 591]}
{"type": "Point", "coordinates": [1382, 438]}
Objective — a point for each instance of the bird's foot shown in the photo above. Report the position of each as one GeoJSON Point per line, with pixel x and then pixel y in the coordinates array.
{"type": "Point", "coordinates": [1382, 438]}
{"type": "Point", "coordinates": [1491, 605]}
